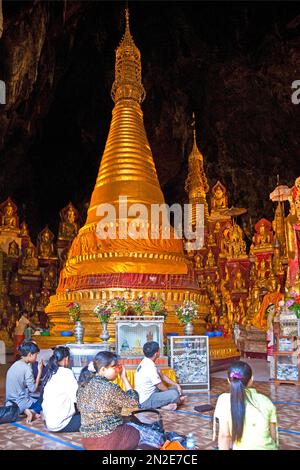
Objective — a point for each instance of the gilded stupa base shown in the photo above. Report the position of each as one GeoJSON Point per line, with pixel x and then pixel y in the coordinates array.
{"type": "Point", "coordinates": [222, 350]}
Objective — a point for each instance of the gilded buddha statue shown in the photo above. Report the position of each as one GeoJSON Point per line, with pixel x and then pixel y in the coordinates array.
{"type": "Point", "coordinates": [68, 227]}
{"type": "Point", "coordinates": [210, 261]}
{"type": "Point", "coordinates": [13, 249]}
{"type": "Point", "coordinates": [9, 219]}
{"type": "Point", "coordinates": [238, 282]}
{"type": "Point", "coordinates": [45, 244]}
{"type": "Point", "coordinates": [219, 198]}
{"type": "Point", "coordinates": [292, 224]}
{"type": "Point", "coordinates": [24, 230]}
{"type": "Point", "coordinates": [29, 262]}
{"type": "Point", "coordinates": [263, 238]}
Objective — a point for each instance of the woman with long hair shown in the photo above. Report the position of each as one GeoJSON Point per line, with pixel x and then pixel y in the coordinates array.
{"type": "Point", "coordinates": [247, 419]}
{"type": "Point", "coordinates": [100, 403]}
{"type": "Point", "coordinates": [59, 393]}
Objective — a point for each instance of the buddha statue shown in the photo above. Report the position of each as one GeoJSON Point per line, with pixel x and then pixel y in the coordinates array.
{"type": "Point", "coordinates": [198, 262]}
{"type": "Point", "coordinates": [24, 230]}
{"type": "Point", "coordinates": [68, 227]}
{"type": "Point", "coordinates": [263, 237]}
{"type": "Point", "coordinates": [219, 199]}
{"type": "Point", "coordinates": [13, 249]}
{"type": "Point", "coordinates": [29, 262]}
{"type": "Point", "coordinates": [261, 272]}
{"type": "Point", "coordinates": [29, 302]}
{"type": "Point", "coordinates": [238, 282]}
{"type": "Point", "coordinates": [45, 244]}
{"type": "Point", "coordinates": [52, 274]}
{"type": "Point", "coordinates": [229, 308]}
{"type": "Point", "coordinates": [44, 297]}
{"type": "Point", "coordinates": [46, 282]}
{"type": "Point", "coordinates": [217, 228]}
{"type": "Point", "coordinates": [211, 240]}
{"type": "Point", "coordinates": [210, 261]}
{"type": "Point", "coordinates": [213, 316]}
{"type": "Point", "coordinates": [9, 220]}
{"type": "Point", "coordinates": [292, 222]}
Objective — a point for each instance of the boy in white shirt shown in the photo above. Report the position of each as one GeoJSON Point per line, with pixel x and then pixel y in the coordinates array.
{"type": "Point", "coordinates": [149, 382]}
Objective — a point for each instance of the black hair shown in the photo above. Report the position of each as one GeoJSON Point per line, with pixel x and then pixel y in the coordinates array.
{"type": "Point", "coordinates": [150, 348]}
{"type": "Point", "coordinates": [239, 374]}
{"type": "Point", "coordinates": [28, 347]}
{"type": "Point", "coordinates": [85, 375]}
{"type": "Point", "coordinates": [59, 353]}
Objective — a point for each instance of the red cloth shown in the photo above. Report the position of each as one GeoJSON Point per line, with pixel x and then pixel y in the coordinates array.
{"type": "Point", "coordinates": [122, 438]}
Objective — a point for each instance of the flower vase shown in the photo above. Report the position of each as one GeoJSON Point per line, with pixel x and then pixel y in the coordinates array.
{"type": "Point", "coordinates": [188, 329]}
{"type": "Point", "coordinates": [105, 334]}
{"type": "Point", "coordinates": [79, 332]}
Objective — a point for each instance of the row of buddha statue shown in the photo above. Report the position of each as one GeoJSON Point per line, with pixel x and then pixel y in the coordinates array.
{"type": "Point", "coordinates": [234, 280]}
{"type": "Point", "coordinates": [29, 273]}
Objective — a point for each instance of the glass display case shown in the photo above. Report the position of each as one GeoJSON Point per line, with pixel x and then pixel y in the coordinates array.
{"type": "Point", "coordinates": [286, 367]}
{"type": "Point", "coordinates": [285, 343]}
{"type": "Point", "coordinates": [133, 332]}
{"type": "Point", "coordinates": [190, 361]}
{"type": "Point", "coordinates": [82, 354]}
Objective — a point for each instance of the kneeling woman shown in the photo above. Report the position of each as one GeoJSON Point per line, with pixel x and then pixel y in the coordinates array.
{"type": "Point", "coordinates": [100, 403]}
{"type": "Point", "coordinates": [59, 398]}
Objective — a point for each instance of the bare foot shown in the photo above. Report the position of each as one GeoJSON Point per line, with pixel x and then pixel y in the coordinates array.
{"type": "Point", "coordinates": [29, 415]}
{"type": "Point", "coordinates": [182, 399]}
{"type": "Point", "coordinates": [170, 407]}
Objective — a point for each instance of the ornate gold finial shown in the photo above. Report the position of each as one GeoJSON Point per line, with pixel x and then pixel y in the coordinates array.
{"type": "Point", "coordinates": [128, 70]}
{"type": "Point", "coordinates": [196, 184]}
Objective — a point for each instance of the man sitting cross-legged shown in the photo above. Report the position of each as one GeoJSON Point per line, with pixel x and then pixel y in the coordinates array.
{"type": "Point", "coordinates": [149, 382]}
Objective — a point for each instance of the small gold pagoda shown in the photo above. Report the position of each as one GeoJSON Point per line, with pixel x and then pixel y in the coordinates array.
{"type": "Point", "coordinates": [99, 268]}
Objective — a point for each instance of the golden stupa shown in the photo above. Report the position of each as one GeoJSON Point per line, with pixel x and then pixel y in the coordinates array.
{"type": "Point", "coordinates": [99, 268]}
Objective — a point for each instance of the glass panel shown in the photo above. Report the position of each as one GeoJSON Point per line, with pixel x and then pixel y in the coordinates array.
{"type": "Point", "coordinates": [189, 359]}
{"type": "Point", "coordinates": [287, 367]}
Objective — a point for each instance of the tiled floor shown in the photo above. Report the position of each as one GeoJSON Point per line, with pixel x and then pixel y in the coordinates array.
{"type": "Point", "coordinates": [22, 436]}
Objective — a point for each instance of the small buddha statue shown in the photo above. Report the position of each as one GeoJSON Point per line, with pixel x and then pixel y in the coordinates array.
{"type": "Point", "coordinates": [238, 282]}
{"type": "Point", "coordinates": [44, 297]}
{"type": "Point", "coordinates": [217, 228]}
{"type": "Point", "coordinates": [261, 272]}
{"type": "Point", "coordinates": [210, 261]}
{"type": "Point", "coordinates": [242, 313]}
{"type": "Point", "coordinates": [211, 240]}
{"type": "Point", "coordinates": [263, 236]}
{"type": "Point", "coordinates": [13, 249]}
{"type": "Point", "coordinates": [68, 228]}
{"type": "Point", "coordinates": [9, 221]}
{"type": "Point", "coordinates": [45, 244]}
{"type": "Point", "coordinates": [46, 282]}
{"type": "Point", "coordinates": [29, 262]}
{"type": "Point", "coordinates": [219, 200]}
{"type": "Point", "coordinates": [198, 261]}
{"type": "Point", "coordinates": [24, 230]}
{"type": "Point", "coordinates": [277, 261]}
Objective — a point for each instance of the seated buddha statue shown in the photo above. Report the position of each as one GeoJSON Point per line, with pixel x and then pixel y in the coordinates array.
{"type": "Point", "coordinates": [210, 261]}
{"type": "Point", "coordinates": [238, 282]}
{"type": "Point", "coordinates": [29, 262]}
{"type": "Point", "coordinates": [68, 227]}
{"type": "Point", "coordinates": [13, 249]}
{"type": "Point", "coordinates": [45, 244]}
{"type": "Point", "coordinates": [24, 230]}
{"type": "Point", "coordinates": [9, 221]}
{"type": "Point", "coordinates": [219, 199]}
{"type": "Point", "coordinates": [211, 240]}
{"type": "Point", "coordinates": [263, 236]}
{"type": "Point", "coordinates": [198, 261]}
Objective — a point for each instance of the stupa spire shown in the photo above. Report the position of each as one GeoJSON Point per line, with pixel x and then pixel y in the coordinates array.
{"type": "Point", "coordinates": [127, 169]}
{"type": "Point", "coordinates": [128, 69]}
{"type": "Point", "coordinates": [196, 184]}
